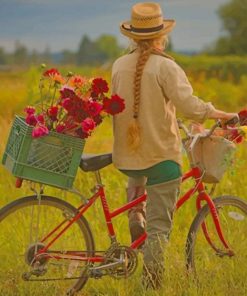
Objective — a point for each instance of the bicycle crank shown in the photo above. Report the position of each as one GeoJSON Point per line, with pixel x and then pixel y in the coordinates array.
{"type": "Point", "coordinates": [119, 262]}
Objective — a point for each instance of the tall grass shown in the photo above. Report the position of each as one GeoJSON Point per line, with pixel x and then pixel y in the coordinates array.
{"type": "Point", "coordinates": [17, 90]}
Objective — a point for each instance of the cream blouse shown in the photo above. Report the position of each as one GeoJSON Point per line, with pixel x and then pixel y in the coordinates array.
{"type": "Point", "coordinates": [164, 89]}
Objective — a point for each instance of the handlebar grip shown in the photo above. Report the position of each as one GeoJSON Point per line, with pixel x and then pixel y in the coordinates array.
{"type": "Point", "coordinates": [231, 121]}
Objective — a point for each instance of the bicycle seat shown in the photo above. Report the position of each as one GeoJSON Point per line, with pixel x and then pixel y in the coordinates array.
{"type": "Point", "coordinates": [95, 162]}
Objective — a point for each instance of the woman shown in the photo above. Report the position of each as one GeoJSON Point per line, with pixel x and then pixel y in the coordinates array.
{"type": "Point", "coordinates": [147, 145]}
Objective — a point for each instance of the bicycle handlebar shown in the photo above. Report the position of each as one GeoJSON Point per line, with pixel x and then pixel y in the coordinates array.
{"type": "Point", "coordinates": [205, 134]}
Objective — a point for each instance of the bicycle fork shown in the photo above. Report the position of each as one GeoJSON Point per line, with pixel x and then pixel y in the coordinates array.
{"type": "Point", "coordinates": [214, 213]}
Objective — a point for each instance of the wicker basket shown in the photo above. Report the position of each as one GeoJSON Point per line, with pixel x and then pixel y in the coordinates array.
{"type": "Point", "coordinates": [213, 155]}
{"type": "Point", "coordinates": [52, 159]}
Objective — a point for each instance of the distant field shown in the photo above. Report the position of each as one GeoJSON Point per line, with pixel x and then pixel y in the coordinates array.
{"type": "Point", "coordinates": [18, 89]}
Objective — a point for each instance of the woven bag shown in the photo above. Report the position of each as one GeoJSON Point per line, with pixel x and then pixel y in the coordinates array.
{"type": "Point", "coordinates": [213, 155]}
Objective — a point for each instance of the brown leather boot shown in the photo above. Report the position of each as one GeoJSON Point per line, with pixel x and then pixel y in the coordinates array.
{"type": "Point", "coordinates": [137, 215]}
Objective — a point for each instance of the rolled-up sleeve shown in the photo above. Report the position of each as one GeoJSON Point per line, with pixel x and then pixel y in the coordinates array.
{"type": "Point", "coordinates": [179, 91]}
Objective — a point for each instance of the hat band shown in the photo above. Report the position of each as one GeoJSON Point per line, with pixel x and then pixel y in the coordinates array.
{"type": "Point", "coordinates": [145, 30]}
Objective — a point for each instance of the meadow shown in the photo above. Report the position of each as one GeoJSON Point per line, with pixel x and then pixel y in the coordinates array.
{"type": "Point", "coordinates": [228, 92]}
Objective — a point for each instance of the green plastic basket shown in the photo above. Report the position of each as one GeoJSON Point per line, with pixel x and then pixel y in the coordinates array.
{"type": "Point", "coordinates": [52, 159]}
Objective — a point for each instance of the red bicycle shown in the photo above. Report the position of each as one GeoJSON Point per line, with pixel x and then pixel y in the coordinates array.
{"type": "Point", "coordinates": [46, 239]}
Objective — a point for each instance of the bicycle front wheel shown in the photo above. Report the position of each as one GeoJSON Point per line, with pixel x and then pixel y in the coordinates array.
{"type": "Point", "coordinates": [205, 260]}
{"type": "Point", "coordinates": [24, 224]}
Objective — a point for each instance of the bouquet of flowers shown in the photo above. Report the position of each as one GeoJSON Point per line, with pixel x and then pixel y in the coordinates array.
{"type": "Point", "coordinates": [239, 134]}
{"type": "Point", "coordinates": [72, 105]}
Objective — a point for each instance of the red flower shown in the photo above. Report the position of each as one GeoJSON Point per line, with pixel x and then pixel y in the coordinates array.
{"type": "Point", "coordinates": [98, 119]}
{"type": "Point", "coordinates": [29, 110]}
{"type": "Point", "coordinates": [99, 86]}
{"type": "Point", "coordinates": [31, 119]}
{"type": "Point", "coordinates": [52, 112]}
{"type": "Point", "coordinates": [67, 92]}
{"type": "Point", "coordinates": [41, 119]}
{"type": "Point", "coordinates": [60, 127]}
{"type": "Point", "coordinates": [51, 72]}
{"type": "Point", "coordinates": [39, 131]}
{"type": "Point", "coordinates": [67, 104]}
{"type": "Point", "coordinates": [80, 133]}
{"type": "Point", "coordinates": [243, 117]}
{"type": "Point", "coordinates": [88, 124]}
{"type": "Point", "coordinates": [114, 105]}
{"type": "Point", "coordinates": [235, 136]}
{"type": "Point", "coordinates": [94, 108]}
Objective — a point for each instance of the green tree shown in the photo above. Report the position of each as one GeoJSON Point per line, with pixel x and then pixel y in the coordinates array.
{"type": "Point", "coordinates": [88, 53]}
{"type": "Point", "coordinates": [68, 57]}
{"type": "Point", "coordinates": [234, 18]}
{"type": "Point", "coordinates": [108, 47]}
{"type": "Point", "coordinates": [3, 56]}
{"type": "Point", "coordinates": [20, 55]}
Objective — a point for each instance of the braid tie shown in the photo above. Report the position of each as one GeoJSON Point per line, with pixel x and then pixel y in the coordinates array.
{"type": "Point", "coordinates": [134, 130]}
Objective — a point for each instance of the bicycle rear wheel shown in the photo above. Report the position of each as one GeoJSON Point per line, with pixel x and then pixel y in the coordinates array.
{"type": "Point", "coordinates": [202, 258]}
{"type": "Point", "coordinates": [23, 224]}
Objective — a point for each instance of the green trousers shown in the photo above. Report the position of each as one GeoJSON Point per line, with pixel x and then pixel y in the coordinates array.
{"type": "Point", "coordinates": [160, 207]}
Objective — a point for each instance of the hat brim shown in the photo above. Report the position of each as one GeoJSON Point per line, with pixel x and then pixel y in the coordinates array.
{"type": "Point", "coordinates": [125, 28]}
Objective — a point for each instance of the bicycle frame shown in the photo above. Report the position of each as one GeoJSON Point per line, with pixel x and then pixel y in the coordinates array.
{"type": "Point", "coordinates": [194, 173]}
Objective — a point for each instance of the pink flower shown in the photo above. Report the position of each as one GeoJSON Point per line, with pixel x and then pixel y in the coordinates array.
{"type": "Point", "coordinates": [88, 124]}
{"type": "Point", "coordinates": [31, 119]}
{"type": "Point", "coordinates": [29, 110]}
{"type": "Point", "coordinates": [94, 108]}
{"type": "Point", "coordinates": [40, 131]}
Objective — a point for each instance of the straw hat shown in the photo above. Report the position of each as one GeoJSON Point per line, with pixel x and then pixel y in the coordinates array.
{"type": "Point", "coordinates": [146, 22]}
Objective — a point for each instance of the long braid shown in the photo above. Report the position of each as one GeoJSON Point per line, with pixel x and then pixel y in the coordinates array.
{"type": "Point", "coordinates": [134, 130]}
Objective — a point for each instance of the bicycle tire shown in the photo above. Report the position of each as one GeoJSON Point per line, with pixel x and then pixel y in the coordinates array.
{"type": "Point", "coordinates": [56, 205]}
{"type": "Point", "coordinates": [233, 216]}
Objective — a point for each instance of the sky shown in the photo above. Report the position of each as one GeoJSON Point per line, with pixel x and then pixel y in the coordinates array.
{"type": "Point", "coordinates": [60, 24]}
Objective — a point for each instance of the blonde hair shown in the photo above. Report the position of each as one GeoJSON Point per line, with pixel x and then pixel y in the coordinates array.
{"type": "Point", "coordinates": [146, 49]}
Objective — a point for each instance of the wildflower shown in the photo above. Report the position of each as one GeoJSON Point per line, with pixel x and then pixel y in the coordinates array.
{"type": "Point", "coordinates": [114, 105]}
{"type": "Point", "coordinates": [99, 86]}
{"type": "Point", "coordinates": [39, 131]}
{"type": "Point", "coordinates": [57, 78]}
{"type": "Point", "coordinates": [77, 81]}
{"type": "Point", "coordinates": [51, 72]}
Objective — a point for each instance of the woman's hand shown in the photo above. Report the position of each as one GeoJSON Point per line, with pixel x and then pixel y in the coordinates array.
{"type": "Point", "coordinates": [223, 116]}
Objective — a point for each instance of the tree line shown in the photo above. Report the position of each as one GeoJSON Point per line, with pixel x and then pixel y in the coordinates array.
{"type": "Point", "coordinates": [89, 52]}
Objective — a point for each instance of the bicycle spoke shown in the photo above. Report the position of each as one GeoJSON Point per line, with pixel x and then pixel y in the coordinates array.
{"type": "Point", "coordinates": [33, 221]}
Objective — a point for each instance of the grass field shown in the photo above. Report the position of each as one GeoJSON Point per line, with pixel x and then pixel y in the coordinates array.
{"type": "Point", "coordinates": [17, 90]}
